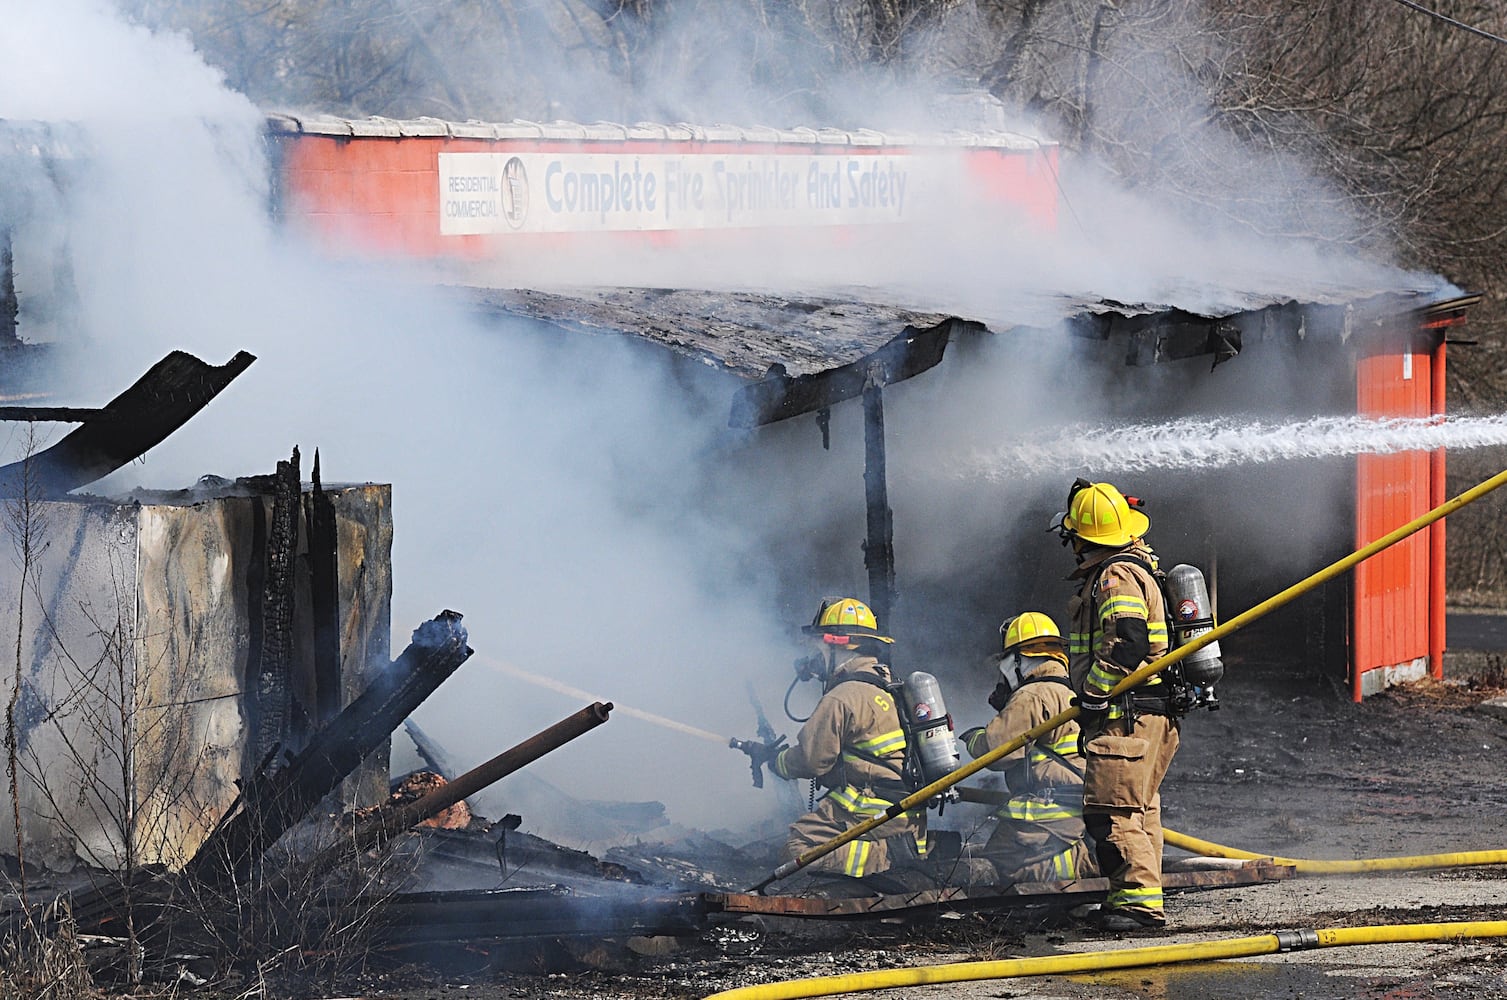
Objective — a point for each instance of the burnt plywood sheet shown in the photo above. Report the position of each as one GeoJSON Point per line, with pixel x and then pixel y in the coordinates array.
{"type": "Point", "coordinates": [742, 333]}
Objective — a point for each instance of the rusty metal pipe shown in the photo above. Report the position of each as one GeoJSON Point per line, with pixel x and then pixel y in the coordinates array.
{"type": "Point", "coordinates": [388, 823]}
{"type": "Point", "coordinates": [498, 767]}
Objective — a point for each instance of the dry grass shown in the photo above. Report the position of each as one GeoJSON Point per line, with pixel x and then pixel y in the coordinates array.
{"type": "Point", "coordinates": [1445, 694]}
{"type": "Point", "coordinates": [36, 964]}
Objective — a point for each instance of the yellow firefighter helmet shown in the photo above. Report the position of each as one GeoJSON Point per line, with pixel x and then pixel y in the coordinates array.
{"type": "Point", "coordinates": [839, 619]}
{"type": "Point", "coordinates": [1030, 633]}
{"type": "Point", "coordinates": [1101, 514]}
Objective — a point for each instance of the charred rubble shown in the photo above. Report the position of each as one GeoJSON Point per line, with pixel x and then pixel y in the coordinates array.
{"type": "Point", "coordinates": [286, 843]}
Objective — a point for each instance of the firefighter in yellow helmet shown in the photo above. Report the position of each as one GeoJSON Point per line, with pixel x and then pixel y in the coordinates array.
{"type": "Point", "coordinates": [854, 746]}
{"type": "Point", "coordinates": [1040, 835]}
{"type": "Point", "coordinates": [1118, 623]}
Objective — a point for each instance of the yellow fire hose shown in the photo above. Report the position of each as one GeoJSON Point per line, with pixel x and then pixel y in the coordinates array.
{"type": "Point", "coordinates": [1408, 863]}
{"type": "Point", "coordinates": [1126, 958]}
{"type": "Point", "coordinates": [919, 798]}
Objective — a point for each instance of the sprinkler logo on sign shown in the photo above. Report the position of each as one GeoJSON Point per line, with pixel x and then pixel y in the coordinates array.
{"type": "Point", "coordinates": [481, 193]}
{"type": "Point", "coordinates": [514, 193]}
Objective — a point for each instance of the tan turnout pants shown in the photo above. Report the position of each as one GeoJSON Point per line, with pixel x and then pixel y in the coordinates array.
{"type": "Point", "coordinates": [1122, 806]}
{"type": "Point", "coordinates": [867, 855]}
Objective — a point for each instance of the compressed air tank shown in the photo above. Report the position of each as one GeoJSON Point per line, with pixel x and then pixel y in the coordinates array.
{"type": "Point", "coordinates": [1192, 616]}
{"type": "Point", "coordinates": [930, 726]}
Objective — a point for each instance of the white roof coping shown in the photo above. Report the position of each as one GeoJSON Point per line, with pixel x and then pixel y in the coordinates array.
{"type": "Point", "coordinates": [284, 123]}
{"type": "Point", "coordinates": [425, 126]}
{"type": "Point", "coordinates": [471, 130]}
{"type": "Point", "coordinates": [386, 128]}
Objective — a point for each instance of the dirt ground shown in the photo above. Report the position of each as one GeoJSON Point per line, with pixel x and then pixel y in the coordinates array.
{"type": "Point", "coordinates": [1289, 766]}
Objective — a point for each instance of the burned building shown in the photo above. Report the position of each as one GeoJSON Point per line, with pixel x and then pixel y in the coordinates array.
{"type": "Point", "coordinates": [170, 644]}
{"type": "Point", "coordinates": [824, 380]}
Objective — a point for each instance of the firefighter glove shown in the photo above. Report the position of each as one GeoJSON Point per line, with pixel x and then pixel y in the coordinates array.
{"type": "Point", "coordinates": [1090, 716]}
{"type": "Point", "coordinates": [1090, 706]}
{"type": "Point", "coordinates": [969, 735]}
{"type": "Point", "coordinates": [1000, 696]}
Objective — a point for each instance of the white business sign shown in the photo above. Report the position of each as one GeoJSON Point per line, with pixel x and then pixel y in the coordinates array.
{"type": "Point", "coordinates": [605, 192]}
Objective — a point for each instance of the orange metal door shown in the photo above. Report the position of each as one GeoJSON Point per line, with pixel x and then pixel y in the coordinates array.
{"type": "Point", "coordinates": [1392, 610]}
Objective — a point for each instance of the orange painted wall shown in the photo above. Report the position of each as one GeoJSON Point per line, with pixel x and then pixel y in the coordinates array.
{"type": "Point", "coordinates": [1392, 612]}
{"type": "Point", "coordinates": [381, 195]}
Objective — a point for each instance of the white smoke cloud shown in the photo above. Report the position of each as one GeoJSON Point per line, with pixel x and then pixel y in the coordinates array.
{"type": "Point", "coordinates": [574, 498]}
{"type": "Point", "coordinates": [540, 483]}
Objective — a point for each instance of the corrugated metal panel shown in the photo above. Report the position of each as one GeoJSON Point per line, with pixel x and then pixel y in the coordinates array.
{"type": "Point", "coordinates": [1391, 638]}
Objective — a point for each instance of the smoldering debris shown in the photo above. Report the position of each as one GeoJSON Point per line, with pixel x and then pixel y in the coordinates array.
{"type": "Point", "coordinates": [283, 792]}
{"type": "Point", "coordinates": [259, 880]}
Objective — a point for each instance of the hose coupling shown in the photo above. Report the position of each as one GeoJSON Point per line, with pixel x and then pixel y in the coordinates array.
{"type": "Point", "coordinates": [1297, 940]}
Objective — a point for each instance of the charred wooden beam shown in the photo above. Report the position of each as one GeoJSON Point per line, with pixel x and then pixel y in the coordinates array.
{"type": "Point", "coordinates": [430, 751]}
{"type": "Point", "coordinates": [532, 913]}
{"type": "Point", "coordinates": [274, 692]}
{"type": "Point", "coordinates": [324, 599]}
{"type": "Point", "coordinates": [879, 542]}
{"type": "Point", "coordinates": [278, 797]}
{"type": "Point", "coordinates": [781, 396]}
{"type": "Point", "coordinates": [161, 401]}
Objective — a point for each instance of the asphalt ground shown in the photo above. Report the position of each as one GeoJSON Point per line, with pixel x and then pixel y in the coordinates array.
{"type": "Point", "coordinates": [1289, 766]}
{"type": "Point", "coordinates": [1484, 631]}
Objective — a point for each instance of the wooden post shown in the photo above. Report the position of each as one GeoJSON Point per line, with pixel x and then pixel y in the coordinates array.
{"type": "Point", "coordinates": [878, 547]}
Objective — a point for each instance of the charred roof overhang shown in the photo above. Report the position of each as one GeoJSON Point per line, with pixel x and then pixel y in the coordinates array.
{"type": "Point", "coordinates": [780, 396]}
{"type": "Point", "coordinates": [1442, 316]}
{"type": "Point", "coordinates": [1155, 335]}
{"type": "Point", "coordinates": [161, 401]}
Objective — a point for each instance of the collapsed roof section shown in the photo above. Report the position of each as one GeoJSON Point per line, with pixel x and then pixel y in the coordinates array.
{"type": "Point", "coordinates": [785, 343]}
{"type": "Point", "coordinates": [742, 333]}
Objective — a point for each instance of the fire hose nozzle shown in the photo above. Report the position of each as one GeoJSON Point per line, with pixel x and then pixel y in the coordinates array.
{"type": "Point", "coordinates": [756, 755]}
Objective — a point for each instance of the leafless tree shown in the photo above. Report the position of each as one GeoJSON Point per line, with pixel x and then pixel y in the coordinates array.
{"type": "Point", "coordinates": [26, 522]}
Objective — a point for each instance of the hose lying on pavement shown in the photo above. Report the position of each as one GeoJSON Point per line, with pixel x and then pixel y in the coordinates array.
{"type": "Point", "coordinates": [1125, 958]}
{"type": "Point", "coordinates": [1413, 862]}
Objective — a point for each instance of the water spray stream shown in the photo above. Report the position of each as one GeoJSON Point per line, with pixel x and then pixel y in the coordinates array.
{"type": "Point", "coordinates": [575, 692]}
{"type": "Point", "coordinates": [1211, 443]}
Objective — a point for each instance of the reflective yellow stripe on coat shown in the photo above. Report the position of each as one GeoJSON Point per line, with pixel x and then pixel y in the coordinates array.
{"type": "Point", "coordinates": [1026, 809]}
{"type": "Point", "coordinates": [856, 858]}
{"type": "Point", "coordinates": [884, 744]}
{"type": "Point", "coordinates": [859, 804]}
{"type": "Point", "coordinates": [1064, 746]}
